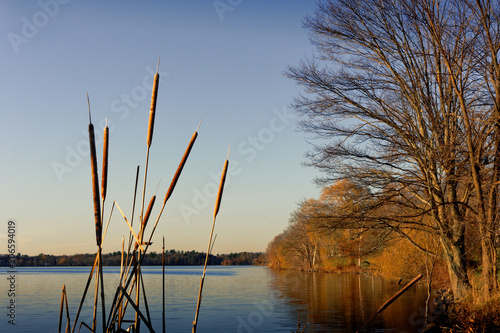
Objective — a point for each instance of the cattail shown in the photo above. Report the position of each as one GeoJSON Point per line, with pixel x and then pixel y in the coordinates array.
{"type": "Point", "coordinates": [210, 245]}
{"type": "Point", "coordinates": [148, 212]}
{"type": "Point", "coordinates": [95, 180]}
{"type": "Point", "coordinates": [221, 186]}
{"type": "Point", "coordinates": [181, 165]}
{"type": "Point", "coordinates": [163, 285]}
{"type": "Point", "coordinates": [152, 110]}
{"type": "Point", "coordinates": [64, 297]}
{"type": "Point", "coordinates": [104, 180]}
{"type": "Point", "coordinates": [145, 219]}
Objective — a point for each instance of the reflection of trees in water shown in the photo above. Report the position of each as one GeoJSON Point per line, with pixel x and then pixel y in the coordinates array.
{"type": "Point", "coordinates": [343, 302]}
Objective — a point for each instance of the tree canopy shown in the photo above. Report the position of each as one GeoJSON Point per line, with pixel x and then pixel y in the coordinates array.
{"type": "Point", "coordinates": [404, 98]}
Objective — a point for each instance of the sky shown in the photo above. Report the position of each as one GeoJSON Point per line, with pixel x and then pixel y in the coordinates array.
{"type": "Point", "coordinates": [221, 62]}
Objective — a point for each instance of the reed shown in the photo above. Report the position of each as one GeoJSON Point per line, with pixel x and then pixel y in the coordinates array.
{"type": "Point", "coordinates": [163, 286]}
{"type": "Point", "coordinates": [216, 211]}
{"type": "Point", "coordinates": [104, 185]}
{"type": "Point", "coordinates": [105, 152]}
{"type": "Point", "coordinates": [152, 109]}
{"type": "Point", "coordinates": [64, 301]}
{"type": "Point", "coordinates": [146, 218]}
{"type": "Point", "coordinates": [91, 274]}
{"type": "Point", "coordinates": [137, 241]}
{"type": "Point", "coordinates": [181, 165]}
{"type": "Point", "coordinates": [152, 112]}
{"type": "Point", "coordinates": [132, 219]}
{"type": "Point", "coordinates": [148, 212]}
{"type": "Point", "coordinates": [175, 178]}
{"type": "Point", "coordinates": [221, 185]}
{"type": "Point", "coordinates": [130, 270]}
{"type": "Point", "coordinates": [96, 290]}
{"type": "Point", "coordinates": [151, 123]}
{"type": "Point", "coordinates": [95, 180]}
{"type": "Point", "coordinates": [97, 210]}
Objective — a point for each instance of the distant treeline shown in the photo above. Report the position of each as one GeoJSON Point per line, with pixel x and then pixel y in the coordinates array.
{"type": "Point", "coordinates": [172, 257]}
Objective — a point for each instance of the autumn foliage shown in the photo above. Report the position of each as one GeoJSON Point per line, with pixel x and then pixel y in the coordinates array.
{"type": "Point", "coordinates": [326, 234]}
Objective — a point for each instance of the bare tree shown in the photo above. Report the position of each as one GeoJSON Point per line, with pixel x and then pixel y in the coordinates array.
{"type": "Point", "coordinates": [405, 102]}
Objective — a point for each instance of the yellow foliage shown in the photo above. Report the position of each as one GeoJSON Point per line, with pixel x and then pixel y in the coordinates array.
{"type": "Point", "coordinates": [400, 260]}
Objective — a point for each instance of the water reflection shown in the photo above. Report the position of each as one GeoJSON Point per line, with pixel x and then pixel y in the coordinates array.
{"type": "Point", "coordinates": [236, 299]}
{"type": "Point", "coordinates": [343, 302]}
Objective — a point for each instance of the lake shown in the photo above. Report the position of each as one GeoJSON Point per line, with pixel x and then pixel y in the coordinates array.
{"type": "Point", "coordinates": [236, 299]}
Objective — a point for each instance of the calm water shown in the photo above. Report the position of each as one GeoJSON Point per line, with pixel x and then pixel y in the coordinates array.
{"type": "Point", "coordinates": [236, 299]}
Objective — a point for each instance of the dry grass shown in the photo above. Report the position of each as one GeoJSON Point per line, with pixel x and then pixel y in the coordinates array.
{"type": "Point", "coordinates": [467, 317]}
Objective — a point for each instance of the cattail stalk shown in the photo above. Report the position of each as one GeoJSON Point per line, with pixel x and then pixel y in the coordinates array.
{"type": "Point", "coordinates": [130, 227]}
{"type": "Point", "coordinates": [105, 152]}
{"type": "Point", "coordinates": [163, 284]}
{"type": "Point", "coordinates": [61, 309]}
{"type": "Point", "coordinates": [94, 318]}
{"type": "Point", "coordinates": [152, 109]}
{"type": "Point", "coordinates": [97, 212]}
{"type": "Point", "coordinates": [221, 187]}
{"type": "Point", "coordinates": [91, 274]}
{"type": "Point", "coordinates": [176, 178]}
{"type": "Point", "coordinates": [103, 302]}
{"type": "Point", "coordinates": [216, 211]}
{"type": "Point", "coordinates": [104, 184]}
{"type": "Point", "coordinates": [95, 180]}
{"type": "Point", "coordinates": [132, 221]}
{"type": "Point", "coordinates": [152, 113]}
{"type": "Point", "coordinates": [148, 212]}
{"type": "Point", "coordinates": [64, 300]}
{"type": "Point", "coordinates": [181, 165]}
{"type": "Point", "coordinates": [146, 218]}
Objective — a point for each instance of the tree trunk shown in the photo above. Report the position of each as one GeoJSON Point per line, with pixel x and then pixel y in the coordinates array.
{"type": "Point", "coordinates": [454, 258]}
{"type": "Point", "coordinates": [488, 264]}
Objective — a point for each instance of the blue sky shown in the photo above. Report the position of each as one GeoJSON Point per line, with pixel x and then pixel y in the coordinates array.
{"type": "Point", "coordinates": [221, 61]}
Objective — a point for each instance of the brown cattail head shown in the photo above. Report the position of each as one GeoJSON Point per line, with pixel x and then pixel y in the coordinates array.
{"type": "Point", "coordinates": [152, 110]}
{"type": "Point", "coordinates": [148, 211]}
{"type": "Point", "coordinates": [95, 185]}
{"type": "Point", "coordinates": [221, 188]}
{"type": "Point", "coordinates": [104, 179]}
{"type": "Point", "coordinates": [180, 167]}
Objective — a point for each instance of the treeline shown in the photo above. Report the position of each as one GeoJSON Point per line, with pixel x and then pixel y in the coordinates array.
{"type": "Point", "coordinates": [334, 233]}
{"type": "Point", "coordinates": [172, 257]}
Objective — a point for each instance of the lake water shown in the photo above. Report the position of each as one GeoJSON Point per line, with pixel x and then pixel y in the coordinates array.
{"type": "Point", "coordinates": [236, 299]}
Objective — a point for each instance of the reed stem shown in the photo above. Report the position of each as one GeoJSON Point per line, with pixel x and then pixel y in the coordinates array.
{"type": "Point", "coordinates": [163, 284]}
{"type": "Point", "coordinates": [216, 210]}
{"type": "Point", "coordinates": [64, 300]}
{"type": "Point", "coordinates": [95, 180]}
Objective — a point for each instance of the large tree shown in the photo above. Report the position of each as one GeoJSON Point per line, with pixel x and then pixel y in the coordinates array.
{"type": "Point", "coordinates": [405, 95]}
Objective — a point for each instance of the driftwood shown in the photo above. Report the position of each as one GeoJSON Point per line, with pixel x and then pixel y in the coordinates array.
{"type": "Point", "coordinates": [392, 299]}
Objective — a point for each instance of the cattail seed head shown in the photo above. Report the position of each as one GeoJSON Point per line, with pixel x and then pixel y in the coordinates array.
{"type": "Point", "coordinates": [104, 179]}
{"type": "Point", "coordinates": [180, 167]}
{"type": "Point", "coordinates": [152, 110]}
{"type": "Point", "coordinates": [95, 185]}
{"type": "Point", "coordinates": [221, 188]}
{"type": "Point", "coordinates": [148, 211]}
